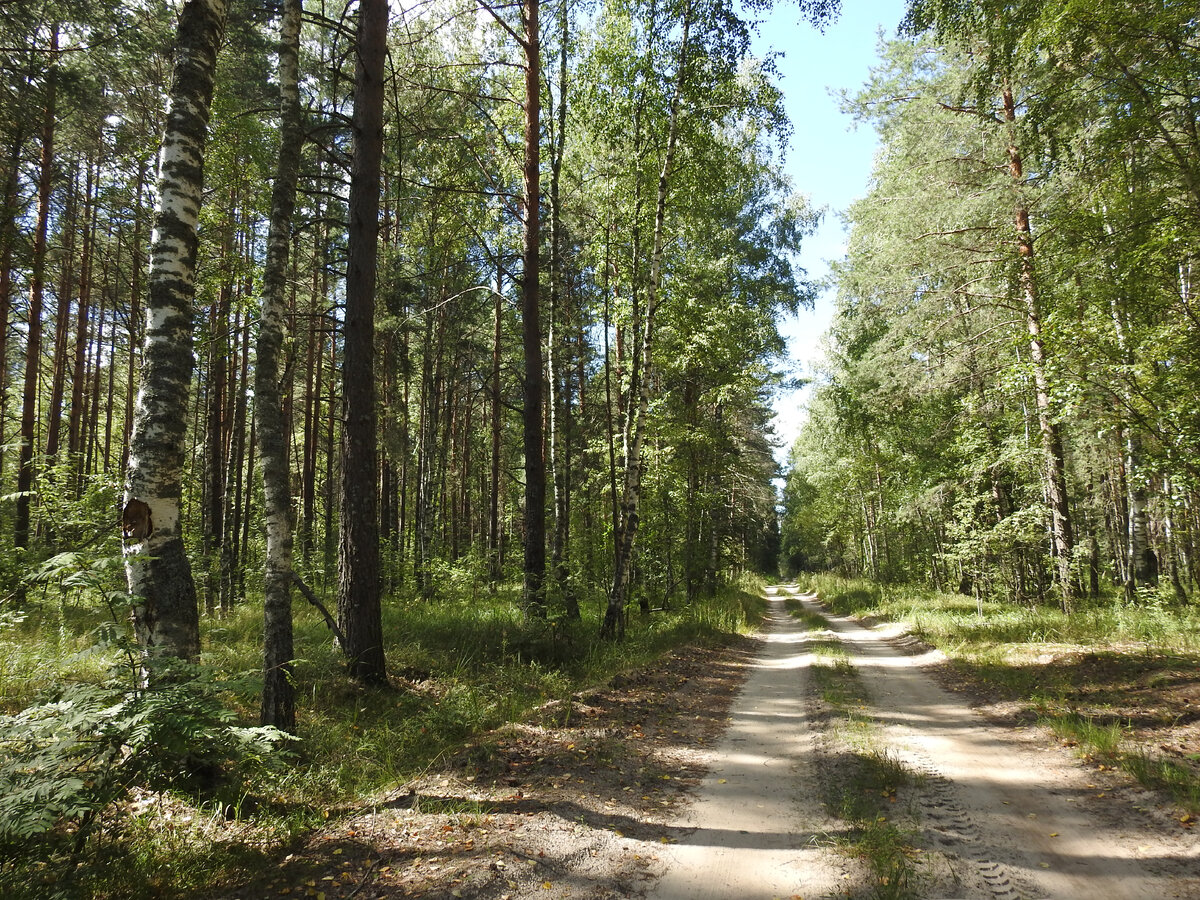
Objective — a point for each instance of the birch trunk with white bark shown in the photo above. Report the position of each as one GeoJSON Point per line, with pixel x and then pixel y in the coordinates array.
{"type": "Point", "coordinates": [613, 625]}
{"type": "Point", "coordinates": [278, 696]}
{"type": "Point", "coordinates": [165, 613]}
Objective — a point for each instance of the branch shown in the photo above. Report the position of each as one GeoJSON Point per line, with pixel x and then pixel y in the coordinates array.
{"type": "Point", "coordinates": [966, 230]}
{"type": "Point", "coordinates": [495, 15]}
{"type": "Point", "coordinates": [312, 598]}
{"type": "Point", "coordinates": [972, 110]}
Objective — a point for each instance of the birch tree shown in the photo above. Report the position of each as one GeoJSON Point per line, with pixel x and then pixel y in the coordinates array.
{"type": "Point", "coordinates": [165, 613]}
{"type": "Point", "coordinates": [278, 698]}
{"type": "Point", "coordinates": [613, 625]}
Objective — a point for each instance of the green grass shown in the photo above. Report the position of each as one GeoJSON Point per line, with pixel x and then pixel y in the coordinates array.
{"type": "Point", "coordinates": [947, 619]}
{"type": "Point", "coordinates": [860, 779]}
{"type": "Point", "coordinates": [1109, 744]}
{"type": "Point", "coordinates": [462, 667]}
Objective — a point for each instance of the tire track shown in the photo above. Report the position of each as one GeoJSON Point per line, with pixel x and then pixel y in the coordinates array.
{"type": "Point", "coordinates": [951, 828]}
{"type": "Point", "coordinates": [1012, 820]}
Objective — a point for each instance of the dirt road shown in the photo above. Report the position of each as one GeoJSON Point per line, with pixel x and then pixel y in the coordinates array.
{"type": "Point", "coordinates": [994, 813]}
{"type": "Point", "coordinates": [709, 774]}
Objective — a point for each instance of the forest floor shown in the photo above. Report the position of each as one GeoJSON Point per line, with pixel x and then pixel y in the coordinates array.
{"type": "Point", "coordinates": [666, 771]}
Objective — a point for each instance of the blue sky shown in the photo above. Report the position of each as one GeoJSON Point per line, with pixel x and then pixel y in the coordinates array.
{"type": "Point", "coordinates": [829, 160]}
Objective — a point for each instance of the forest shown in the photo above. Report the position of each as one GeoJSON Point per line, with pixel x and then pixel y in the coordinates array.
{"type": "Point", "coordinates": [372, 374]}
{"type": "Point", "coordinates": [442, 310]}
{"type": "Point", "coordinates": [1008, 406]}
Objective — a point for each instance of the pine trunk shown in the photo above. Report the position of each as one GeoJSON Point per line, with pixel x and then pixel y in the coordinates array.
{"type": "Point", "coordinates": [135, 314]}
{"type": "Point", "coordinates": [1054, 464]}
{"type": "Point", "coordinates": [33, 339]}
{"type": "Point", "coordinates": [7, 239]}
{"type": "Point", "coordinates": [531, 329]}
{"type": "Point", "coordinates": [359, 613]}
{"type": "Point", "coordinates": [558, 369]}
{"type": "Point", "coordinates": [495, 487]}
{"type": "Point", "coordinates": [62, 329]}
{"type": "Point", "coordinates": [80, 375]}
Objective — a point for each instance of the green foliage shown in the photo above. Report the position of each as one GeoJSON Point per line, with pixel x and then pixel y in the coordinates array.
{"type": "Point", "coordinates": [66, 760]}
{"type": "Point", "coordinates": [925, 456]}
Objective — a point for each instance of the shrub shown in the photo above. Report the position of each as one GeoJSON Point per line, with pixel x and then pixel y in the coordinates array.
{"type": "Point", "coordinates": [67, 758]}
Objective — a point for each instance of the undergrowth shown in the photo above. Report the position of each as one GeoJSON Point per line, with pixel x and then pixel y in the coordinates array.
{"type": "Point", "coordinates": [459, 667]}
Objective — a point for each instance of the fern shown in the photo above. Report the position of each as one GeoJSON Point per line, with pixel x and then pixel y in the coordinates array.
{"type": "Point", "coordinates": [66, 759]}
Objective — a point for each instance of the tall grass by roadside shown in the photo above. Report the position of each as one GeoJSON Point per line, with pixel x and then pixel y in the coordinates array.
{"type": "Point", "coordinates": [1075, 671]}
{"type": "Point", "coordinates": [950, 619]}
{"type": "Point", "coordinates": [459, 667]}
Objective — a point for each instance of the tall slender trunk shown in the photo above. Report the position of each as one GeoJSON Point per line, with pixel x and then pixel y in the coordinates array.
{"type": "Point", "coordinates": [7, 239]}
{"type": "Point", "coordinates": [1054, 465]}
{"type": "Point", "coordinates": [92, 439]}
{"type": "Point", "coordinates": [359, 612]}
{"type": "Point", "coordinates": [135, 315]}
{"type": "Point", "coordinates": [79, 380]}
{"type": "Point", "coordinates": [494, 499]}
{"type": "Point", "coordinates": [235, 510]}
{"type": "Point", "coordinates": [613, 626]}
{"type": "Point", "coordinates": [166, 616]}
{"type": "Point", "coordinates": [33, 338]}
{"type": "Point", "coordinates": [62, 327]}
{"type": "Point", "coordinates": [330, 487]}
{"type": "Point", "coordinates": [427, 428]}
{"type": "Point", "coordinates": [312, 419]}
{"type": "Point", "coordinates": [610, 429]}
{"type": "Point", "coordinates": [212, 517]}
{"type": "Point", "coordinates": [531, 330]}
{"type": "Point", "coordinates": [278, 696]}
{"type": "Point", "coordinates": [558, 370]}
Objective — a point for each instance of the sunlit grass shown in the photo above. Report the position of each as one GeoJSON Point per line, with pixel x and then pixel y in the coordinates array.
{"type": "Point", "coordinates": [951, 621]}
{"type": "Point", "coordinates": [460, 667]}
{"type": "Point", "coordinates": [861, 779]}
{"type": "Point", "coordinates": [1110, 744]}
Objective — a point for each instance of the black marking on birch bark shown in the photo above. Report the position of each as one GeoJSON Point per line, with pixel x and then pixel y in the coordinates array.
{"type": "Point", "coordinates": [136, 523]}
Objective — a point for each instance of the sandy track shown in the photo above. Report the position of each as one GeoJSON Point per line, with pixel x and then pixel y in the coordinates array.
{"type": "Point", "coordinates": [754, 828]}
{"type": "Point", "coordinates": [1000, 813]}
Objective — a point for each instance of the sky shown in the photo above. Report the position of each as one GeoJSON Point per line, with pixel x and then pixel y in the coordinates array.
{"type": "Point", "coordinates": [828, 159]}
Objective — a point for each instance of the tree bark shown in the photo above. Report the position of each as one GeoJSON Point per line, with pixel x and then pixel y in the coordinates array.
{"type": "Point", "coordinates": [135, 313]}
{"type": "Point", "coordinates": [495, 487]}
{"type": "Point", "coordinates": [359, 612]}
{"type": "Point", "coordinates": [79, 380]}
{"type": "Point", "coordinates": [165, 613]}
{"type": "Point", "coordinates": [7, 240]}
{"type": "Point", "coordinates": [1062, 536]}
{"type": "Point", "coordinates": [558, 370]}
{"type": "Point", "coordinates": [212, 516]}
{"type": "Point", "coordinates": [531, 330]}
{"type": "Point", "coordinates": [278, 697]}
{"type": "Point", "coordinates": [33, 340]}
{"type": "Point", "coordinates": [62, 327]}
